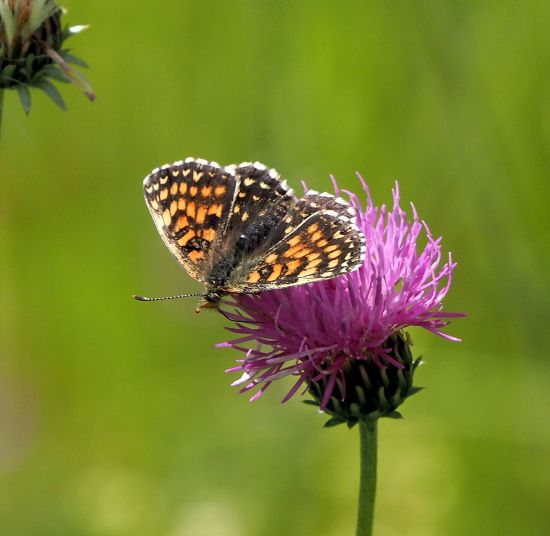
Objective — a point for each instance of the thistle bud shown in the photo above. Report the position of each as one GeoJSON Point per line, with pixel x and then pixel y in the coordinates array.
{"type": "Point", "coordinates": [32, 50]}
{"type": "Point", "coordinates": [367, 389]}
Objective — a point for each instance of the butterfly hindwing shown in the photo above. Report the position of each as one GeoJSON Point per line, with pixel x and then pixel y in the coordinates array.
{"type": "Point", "coordinates": [320, 241]}
{"type": "Point", "coordinates": [189, 202]}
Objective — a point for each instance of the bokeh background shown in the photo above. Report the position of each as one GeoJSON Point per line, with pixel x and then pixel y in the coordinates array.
{"type": "Point", "coordinates": [116, 417]}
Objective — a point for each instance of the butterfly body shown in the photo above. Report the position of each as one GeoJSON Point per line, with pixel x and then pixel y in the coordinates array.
{"type": "Point", "coordinates": [239, 229]}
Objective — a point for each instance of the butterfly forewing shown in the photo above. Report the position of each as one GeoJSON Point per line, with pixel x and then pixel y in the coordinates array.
{"type": "Point", "coordinates": [189, 203]}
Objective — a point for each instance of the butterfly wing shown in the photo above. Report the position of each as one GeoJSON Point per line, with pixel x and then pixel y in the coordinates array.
{"type": "Point", "coordinates": [318, 240]}
{"type": "Point", "coordinates": [240, 225]}
{"type": "Point", "coordinates": [261, 202]}
{"type": "Point", "coordinates": [190, 202]}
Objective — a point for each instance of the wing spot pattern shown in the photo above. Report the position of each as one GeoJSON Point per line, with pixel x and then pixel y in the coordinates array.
{"type": "Point", "coordinates": [313, 264]}
{"type": "Point", "coordinates": [220, 191]}
{"type": "Point", "coordinates": [201, 215]}
{"type": "Point", "coordinates": [196, 255]}
{"type": "Point", "coordinates": [292, 266]}
{"type": "Point", "coordinates": [307, 273]}
{"type": "Point", "coordinates": [209, 234]}
{"type": "Point", "coordinates": [277, 269]}
{"type": "Point", "coordinates": [185, 238]}
{"type": "Point", "coordinates": [302, 253]}
{"type": "Point", "coordinates": [291, 252]}
{"type": "Point", "coordinates": [316, 236]}
{"type": "Point", "coordinates": [216, 209]}
{"type": "Point", "coordinates": [182, 222]}
{"type": "Point", "coordinates": [191, 210]}
{"type": "Point", "coordinates": [254, 277]}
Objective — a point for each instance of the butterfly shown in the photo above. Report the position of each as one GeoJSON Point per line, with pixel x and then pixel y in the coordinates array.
{"type": "Point", "coordinates": [239, 228]}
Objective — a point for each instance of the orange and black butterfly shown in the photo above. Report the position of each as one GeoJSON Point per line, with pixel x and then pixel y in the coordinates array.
{"type": "Point", "coordinates": [240, 229]}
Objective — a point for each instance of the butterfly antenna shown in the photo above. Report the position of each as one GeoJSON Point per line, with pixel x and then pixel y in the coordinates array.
{"type": "Point", "coordinates": [145, 298]}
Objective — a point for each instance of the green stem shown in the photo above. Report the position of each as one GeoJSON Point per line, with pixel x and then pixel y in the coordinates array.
{"type": "Point", "coordinates": [1, 110]}
{"type": "Point", "coordinates": [367, 485]}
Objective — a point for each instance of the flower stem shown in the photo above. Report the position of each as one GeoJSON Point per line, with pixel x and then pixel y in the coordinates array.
{"type": "Point", "coordinates": [1, 110]}
{"type": "Point", "coordinates": [367, 485]}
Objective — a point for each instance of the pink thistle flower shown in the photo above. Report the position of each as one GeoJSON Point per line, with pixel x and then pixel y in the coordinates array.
{"type": "Point", "coordinates": [343, 339]}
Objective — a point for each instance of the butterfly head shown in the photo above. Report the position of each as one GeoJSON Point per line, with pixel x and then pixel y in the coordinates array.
{"type": "Point", "coordinates": [210, 300]}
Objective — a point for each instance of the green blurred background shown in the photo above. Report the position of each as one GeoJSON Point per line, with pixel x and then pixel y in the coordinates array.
{"type": "Point", "coordinates": [116, 417]}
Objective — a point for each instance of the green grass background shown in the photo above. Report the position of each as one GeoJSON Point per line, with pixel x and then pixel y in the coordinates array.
{"type": "Point", "coordinates": [116, 417]}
